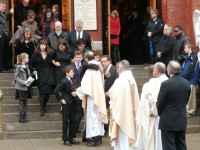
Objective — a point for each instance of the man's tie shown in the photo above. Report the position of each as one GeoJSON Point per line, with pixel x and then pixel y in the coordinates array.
{"type": "Point", "coordinates": [71, 82]}
{"type": "Point", "coordinates": [3, 15]}
{"type": "Point", "coordinates": [78, 35]}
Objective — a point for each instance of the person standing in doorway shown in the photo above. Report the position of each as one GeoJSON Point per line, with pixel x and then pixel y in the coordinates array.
{"type": "Point", "coordinates": [115, 29]}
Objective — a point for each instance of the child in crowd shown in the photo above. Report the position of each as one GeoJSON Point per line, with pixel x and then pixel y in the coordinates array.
{"type": "Point", "coordinates": [23, 90]}
{"type": "Point", "coordinates": [63, 93]}
{"type": "Point", "coordinates": [55, 10]}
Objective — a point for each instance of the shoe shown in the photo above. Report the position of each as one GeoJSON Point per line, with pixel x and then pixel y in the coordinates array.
{"type": "Point", "coordinates": [188, 115]}
{"type": "Point", "coordinates": [67, 143]}
{"type": "Point", "coordinates": [73, 141]}
{"type": "Point", "coordinates": [92, 143]}
{"type": "Point", "coordinates": [41, 114]}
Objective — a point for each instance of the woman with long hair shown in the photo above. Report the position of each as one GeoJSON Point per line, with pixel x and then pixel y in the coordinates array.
{"type": "Point", "coordinates": [41, 66]}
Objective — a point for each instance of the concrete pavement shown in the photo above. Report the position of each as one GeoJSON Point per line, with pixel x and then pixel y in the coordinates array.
{"type": "Point", "coordinates": [193, 143]}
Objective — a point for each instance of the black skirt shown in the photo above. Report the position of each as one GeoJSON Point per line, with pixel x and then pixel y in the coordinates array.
{"type": "Point", "coordinates": [23, 95]}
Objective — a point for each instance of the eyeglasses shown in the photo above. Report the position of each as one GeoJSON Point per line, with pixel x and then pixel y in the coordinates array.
{"type": "Point", "coordinates": [175, 31]}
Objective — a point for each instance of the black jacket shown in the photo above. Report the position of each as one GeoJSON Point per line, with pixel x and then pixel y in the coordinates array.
{"type": "Point", "coordinates": [156, 27]}
{"type": "Point", "coordinates": [172, 99]}
{"type": "Point", "coordinates": [63, 90]}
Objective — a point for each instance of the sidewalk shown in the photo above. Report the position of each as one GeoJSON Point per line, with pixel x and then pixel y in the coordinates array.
{"type": "Point", "coordinates": [193, 143]}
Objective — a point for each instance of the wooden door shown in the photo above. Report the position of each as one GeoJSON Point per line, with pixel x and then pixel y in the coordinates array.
{"type": "Point", "coordinates": [66, 15]}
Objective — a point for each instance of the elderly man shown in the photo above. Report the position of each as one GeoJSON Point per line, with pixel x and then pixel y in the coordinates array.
{"type": "Point", "coordinates": [4, 37]}
{"type": "Point", "coordinates": [149, 137]}
{"type": "Point", "coordinates": [77, 34]}
{"type": "Point", "coordinates": [171, 105]}
{"type": "Point", "coordinates": [124, 105]}
{"type": "Point", "coordinates": [56, 35]}
{"type": "Point", "coordinates": [181, 39]}
{"type": "Point", "coordinates": [165, 46]}
{"type": "Point", "coordinates": [21, 13]}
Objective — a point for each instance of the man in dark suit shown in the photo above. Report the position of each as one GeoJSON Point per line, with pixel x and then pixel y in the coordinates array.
{"type": "Point", "coordinates": [110, 74]}
{"type": "Point", "coordinates": [4, 33]}
{"type": "Point", "coordinates": [172, 99]}
{"type": "Point", "coordinates": [76, 34]}
{"type": "Point", "coordinates": [63, 93]}
{"type": "Point", "coordinates": [21, 13]}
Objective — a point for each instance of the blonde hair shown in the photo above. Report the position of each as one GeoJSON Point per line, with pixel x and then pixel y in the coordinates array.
{"type": "Point", "coordinates": [21, 57]}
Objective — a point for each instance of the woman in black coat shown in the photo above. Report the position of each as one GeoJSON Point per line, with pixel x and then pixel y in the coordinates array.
{"type": "Point", "coordinates": [61, 57]}
{"type": "Point", "coordinates": [41, 66]}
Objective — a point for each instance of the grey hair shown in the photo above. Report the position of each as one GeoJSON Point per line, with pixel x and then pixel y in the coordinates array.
{"type": "Point", "coordinates": [160, 67]}
{"type": "Point", "coordinates": [79, 22]}
{"type": "Point", "coordinates": [169, 26]}
{"type": "Point", "coordinates": [124, 64]}
{"type": "Point", "coordinates": [174, 67]}
{"type": "Point", "coordinates": [154, 11]}
{"type": "Point", "coordinates": [89, 55]}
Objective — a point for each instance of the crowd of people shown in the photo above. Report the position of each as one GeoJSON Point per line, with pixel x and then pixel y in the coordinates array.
{"type": "Point", "coordinates": [87, 85]}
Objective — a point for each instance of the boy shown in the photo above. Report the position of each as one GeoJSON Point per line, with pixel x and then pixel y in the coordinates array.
{"type": "Point", "coordinates": [190, 71]}
{"type": "Point", "coordinates": [63, 93]}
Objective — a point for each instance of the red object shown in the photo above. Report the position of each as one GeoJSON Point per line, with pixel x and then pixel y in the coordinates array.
{"type": "Point", "coordinates": [115, 29]}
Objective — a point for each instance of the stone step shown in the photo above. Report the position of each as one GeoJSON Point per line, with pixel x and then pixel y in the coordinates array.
{"type": "Point", "coordinates": [14, 117]}
{"type": "Point", "coordinates": [32, 126]}
{"type": "Point", "coordinates": [193, 120]}
{"type": "Point", "coordinates": [14, 108]}
{"type": "Point", "coordinates": [10, 91]}
{"type": "Point", "coordinates": [33, 100]}
{"type": "Point", "coordinates": [6, 76]}
{"type": "Point", "coordinates": [7, 83]}
{"type": "Point", "coordinates": [193, 129]}
{"type": "Point", "coordinates": [32, 134]}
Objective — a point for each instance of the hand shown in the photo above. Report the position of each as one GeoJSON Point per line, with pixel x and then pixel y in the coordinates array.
{"type": "Point", "coordinates": [63, 101]}
{"type": "Point", "coordinates": [159, 54]}
{"type": "Point", "coordinates": [149, 34]}
{"type": "Point", "coordinates": [57, 64]}
{"type": "Point", "coordinates": [26, 83]}
{"type": "Point", "coordinates": [74, 94]}
{"type": "Point", "coordinates": [19, 27]}
{"type": "Point", "coordinates": [11, 10]}
{"type": "Point", "coordinates": [106, 94]}
{"type": "Point", "coordinates": [107, 75]}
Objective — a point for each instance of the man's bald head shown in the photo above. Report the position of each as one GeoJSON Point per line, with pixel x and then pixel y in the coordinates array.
{"type": "Point", "coordinates": [58, 26]}
{"type": "Point", "coordinates": [173, 68]}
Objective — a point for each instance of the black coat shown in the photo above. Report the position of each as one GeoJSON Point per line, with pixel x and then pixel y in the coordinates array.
{"type": "Point", "coordinates": [156, 27]}
{"type": "Point", "coordinates": [72, 40]}
{"type": "Point", "coordinates": [44, 70]}
{"type": "Point", "coordinates": [109, 81]}
{"type": "Point", "coordinates": [166, 46]}
{"type": "Point", "coordinates": [172, 99]}
{"type": "Point", "coordinates": [180, 45]}
{"type": "Point", "coordinates": [20, 14]}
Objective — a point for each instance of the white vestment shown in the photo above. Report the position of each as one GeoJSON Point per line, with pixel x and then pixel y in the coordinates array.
{"type": "Point", "coordinates": [94, 126]}
{"type": "Point", "coordinates": [149, 136]}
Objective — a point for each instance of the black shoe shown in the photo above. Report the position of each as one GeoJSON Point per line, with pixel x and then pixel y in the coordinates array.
{"type": "Point", "coordinates": [92, 143]}
{"type": "Point", "coordinates": [67, 143]}
{"type": "Point", "coordinates": [73, 141]}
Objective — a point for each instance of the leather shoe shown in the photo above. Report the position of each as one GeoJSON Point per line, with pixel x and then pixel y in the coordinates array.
{"type": "Point", "coordinates": [73, 141]}
{"type": "Point", "coordinates": [67, 143]}
{"type": "Point", "coordinates": [92, 143]}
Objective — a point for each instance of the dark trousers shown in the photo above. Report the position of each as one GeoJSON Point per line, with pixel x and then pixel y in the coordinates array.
{"type": "Point", "coordinates": [115, 54]}
{"type": "Point", "coordinates": [79, 113]}
{"type": "Point", "coordinates": [154, 58]}
{"type": "Point", "coordinates": [69, 121]}
{"type": "Point", "coordinates": [5, 54]}
{"type": "Point", "coordinates": [173, 140]}
{"type": "Point", "coordinates": [43, 102]}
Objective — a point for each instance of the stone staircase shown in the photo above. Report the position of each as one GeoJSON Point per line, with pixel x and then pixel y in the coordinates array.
{"type": "Point", "coordinates": [50, 125]}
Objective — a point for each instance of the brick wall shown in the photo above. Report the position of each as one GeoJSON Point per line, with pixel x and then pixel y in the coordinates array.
{"type": "Point", "coordinates": [180, 12]}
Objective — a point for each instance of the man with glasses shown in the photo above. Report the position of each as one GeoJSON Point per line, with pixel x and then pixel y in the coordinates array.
{"type": "Point", "coordinates": [181, 39]}
{"type": "Point", "coordinates": [76, 34]}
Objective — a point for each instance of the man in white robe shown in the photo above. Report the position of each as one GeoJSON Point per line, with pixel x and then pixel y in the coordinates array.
{"type": "Point", "coordinates": [149, 136]}
{"type": "Point", "coordinates": [123, 108]}
{"type": "Point", "coordinates": [94, 104]}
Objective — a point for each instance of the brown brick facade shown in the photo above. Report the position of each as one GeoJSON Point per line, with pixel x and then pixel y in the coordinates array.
{"type": "Point", "coordinates": [180, 12]}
